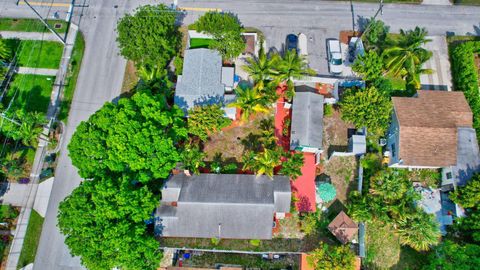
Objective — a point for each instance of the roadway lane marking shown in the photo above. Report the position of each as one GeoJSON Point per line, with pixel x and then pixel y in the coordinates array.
{"type": "Point", "coordinates": [45, 4]}
{"type": "Point", "coordinates": [199, 9]}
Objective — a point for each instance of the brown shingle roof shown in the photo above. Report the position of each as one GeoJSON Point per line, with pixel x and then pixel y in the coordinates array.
{"type": "Point", "coordinates": [343, 227]}
{"type": "Point", "coordinates": [428, 127]}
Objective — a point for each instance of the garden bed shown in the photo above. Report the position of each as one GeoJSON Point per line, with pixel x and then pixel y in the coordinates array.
{"type": "Point", "coordinates": [9, 215]}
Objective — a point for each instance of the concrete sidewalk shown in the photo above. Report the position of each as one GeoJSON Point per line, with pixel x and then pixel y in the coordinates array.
{"type": "Point", "coordinates": [437, 2]}
{"type": "Point", "coordinates": [441, 78]}
{"type": "Point", "coordinates": [29, 35]}
{"type": "Point", "coordinates": [38, 71]}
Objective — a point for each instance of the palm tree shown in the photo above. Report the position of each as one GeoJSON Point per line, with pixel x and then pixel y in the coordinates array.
{"type": "Point", "coordinates": [406, 57]}
{"type": "Point", "coordinates": [250, 102]}
{"type": "Point", "coordinates": [260, 68]}
{"type": "Point", "coordinates": [291, 66]}
{"type": "Point", "coordinates": [262, 163]}
{"type": "Point", "coordinates": [419, 231]}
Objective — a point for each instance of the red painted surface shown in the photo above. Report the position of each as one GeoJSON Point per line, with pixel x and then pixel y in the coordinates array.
{"type": "Point", "coordinates": [304, 186]}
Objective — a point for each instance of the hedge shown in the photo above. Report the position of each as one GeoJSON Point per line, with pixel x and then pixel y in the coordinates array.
{"type": "Point", "coordinates": [465, 76]}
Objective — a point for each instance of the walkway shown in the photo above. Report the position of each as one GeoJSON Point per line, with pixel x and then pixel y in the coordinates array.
{"type": "Point", "coordinates": [29, 200]}
{"type": "Point", "coordinates": [29, 35]}
{"type": "Point", "coordinates": [437, 2]}
{"type": "Point", "coordinates": [38, 71]}
{"type": "Point", "coordinates": [303, 186]}
{"type": "Point", "coordinates": [440, 79]}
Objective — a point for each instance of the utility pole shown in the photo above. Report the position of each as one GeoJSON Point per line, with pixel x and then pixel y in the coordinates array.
{"type": "Point", "coordinates": [380, 9]}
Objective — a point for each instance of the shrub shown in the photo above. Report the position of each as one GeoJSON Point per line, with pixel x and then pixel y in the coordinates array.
{"type": "Point", "coordinates": [255, 242]}
{"type": "Point", "coordinates": [178, 63]}
{"type": "Point", "coordinates": [215, 241]}
{"type": "Point", "coordinates": [327, 110]}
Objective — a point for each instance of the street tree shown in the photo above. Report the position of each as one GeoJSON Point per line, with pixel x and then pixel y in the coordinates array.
{"type": "Point", "coordinates": [367, 108]}
{"type": "Point", "coordinates": [136, 135]}
{"type": "Point", "coordinates": [226, 30]}
{"type": "Point", "coordinates": [328, 257]}
{"type": "Point", "coordinates": [205, 120]}
{"type": "Point", "coordinates": [376, 37]}
{"type": "Point", "coordinates": [149, 37]}
{"type": "Point", "coordinates": [103, 221]}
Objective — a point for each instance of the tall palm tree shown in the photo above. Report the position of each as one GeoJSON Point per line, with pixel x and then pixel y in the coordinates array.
{"type": "Point", "coordinates": [261, 68]}
{"type": "Point", "coordinates": [291, 66]}
{"type": "Point", "coordinates": [262, 163]}
{"type": "Point", "coordinates": [249, 101]}
{"type": "Point", "coordinates": [406, 57]}
{"type": "Point", "coordinates": [419, 231]}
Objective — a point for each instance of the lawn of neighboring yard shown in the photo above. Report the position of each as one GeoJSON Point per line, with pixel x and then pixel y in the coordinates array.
{"type": "Point", "coordinates": [32, 237]}
{"type": "Point", "coordinates": [30, 25]}
{"type": "Point", "coordinates": [40, 54]}
{"type": "Point", "coordinates": [72, 75]}
{"type": "Point", "coordinates": [199, 43]}
{"type": "Point", "coordinates": [33, 92]}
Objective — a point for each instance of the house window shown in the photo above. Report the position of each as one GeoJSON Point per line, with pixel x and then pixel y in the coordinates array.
{"type": "Point", "coordinates": [393, 150]}
{"type": "Point", "coordinates": [449, 175]}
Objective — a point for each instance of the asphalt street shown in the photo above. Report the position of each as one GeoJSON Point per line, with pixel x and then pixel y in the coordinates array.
{"type": "Point", "coordinates": [102, 69]}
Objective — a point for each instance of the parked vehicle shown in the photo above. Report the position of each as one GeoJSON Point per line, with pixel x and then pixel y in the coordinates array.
{"type": "Point", "coordinates": [291, 43]}
{"type": "Point", "coordinates": [334, 56]}
{"type": "Point", "coordinates": [302, 44]}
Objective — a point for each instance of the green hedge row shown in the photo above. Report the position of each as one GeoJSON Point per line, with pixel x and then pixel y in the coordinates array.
{"type": "Point", "coordinates": [465, 76]}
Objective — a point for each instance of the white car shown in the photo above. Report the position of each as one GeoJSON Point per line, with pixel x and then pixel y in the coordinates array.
{"type": "Point", "coordinates": [334, 55]}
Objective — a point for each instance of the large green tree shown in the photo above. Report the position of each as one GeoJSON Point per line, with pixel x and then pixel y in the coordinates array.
{"type": "Point", "coordinates": [149, 37]}
{"type": "Point", "coordinates": [204, 120]}
{"type": "Point", "coordinates": [103, 221]}
{"type": "Point", "coordinates": [367, 108]}
{"type": "Point", "coordinates": [420, 231]}
{"type": "Point", "coordinates": [137, 135]}
{"type": "Point", "coordinates": [369, 65]}
{"type": "Point", "coordinates": [226, 31]}
{"type": "Point", "coordinates": [454, 256]}
{"type": "Point", "coordinates": [376, 36]}
{"type": "Point", "coordinates": [327, 257]}
{"type": "Point", "coordinates": [289, 67]}
{"type": "Point", "coordinates": [469, 195]}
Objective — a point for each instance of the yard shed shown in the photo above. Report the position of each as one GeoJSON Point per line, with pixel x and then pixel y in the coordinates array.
{"type": "Point", "coordinates": [343, 227]}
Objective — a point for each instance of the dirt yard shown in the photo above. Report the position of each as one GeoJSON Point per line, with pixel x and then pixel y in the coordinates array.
{"type": "Point", "coordinates": [234, 140]}
{"type": "Point", "coordinates": [335, 131]}
{"type": "Point", "coordinates": [342, 172]}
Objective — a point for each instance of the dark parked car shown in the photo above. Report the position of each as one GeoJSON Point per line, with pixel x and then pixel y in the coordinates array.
{"type": "Point", "coordinates": [291, 43]}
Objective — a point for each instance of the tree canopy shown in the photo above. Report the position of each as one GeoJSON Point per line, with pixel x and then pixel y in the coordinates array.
{"type": "Point", "coordinates": [469, 195]}
{"type": "Point", "coordinates": [137, 135]}
{"type": "Point", "coordinates": [369, 65]}
{"type": "Point", "coordinates": [149, 37]}
{"type": "Point", "coordinates": [104, 223]}
{"type": "Point", "coordinates": [226, 31]}
{"type": "Point", "coordinates": [203, 120]}
{"type": "Point", "coordinates": [367, 108]}
{"type": "Point", "coordinates": [327, 257]}
{"type": "Point", "coordinates": [454, 256]}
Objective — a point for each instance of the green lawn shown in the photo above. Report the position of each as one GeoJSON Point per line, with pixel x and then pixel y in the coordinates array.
{"type": "Point", "coordinates": [33, 92]}
{"type": "Point", "coordinates": [40, 54]}
{"type": "Point", "coordinates": [30, 25]}
{"type": "Point", "coordinates": [71, 80]}
{"type": "Point", "coordinates": [199, 43]}
{"type": "Point", "coordinates": [32, 237]}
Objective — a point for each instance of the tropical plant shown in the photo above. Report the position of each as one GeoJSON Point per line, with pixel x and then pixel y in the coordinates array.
{"type": "Point", "coordinates": [327, 257]}
{"type": "Point", "coordinates": [4, 51]}
{"type": "Point", "coordinates": [289, 67]}
{"type": "Point", "coordinates": [310, 222]}
{"type": "Point", "coordinates": [261, 68]}
{"type": "Point", "coordinates": [469, 195]}
{"type": "Point", "coordinates": [255, 242]}
{"type": "Point", "coordinates": [178, 63]}
{"type": "Point", "coordinates": [453, 256]}
{"type": "Point", "coordinates": [326, 192]}
{"type": "Point", "coordinates": [292, 166]}
{"type": "Point", "coordinates": [29, 129]}
{"type": "Point", "coordinates": [359, 207]}
{"type": "Point", "coordinates": [390, 184]}
{"type": "Point", "coordinates": [136, 135]}
{"type": "Point", "coordinates": [193, 158]}
{"type": "Point", "coordinates": [420, 231]}
{"type": "Point", "coordinates": [262, 163]}
{"type": "Point", "coordinates": [406, 57]}
{"type": "Point", "coordinates": [226, 31]}
{"type": "Point", "coordinates": [205, 120]}
{"type": "Point", "coordinates": [369, 65]}
{"type": "Point", "coordinates": [367, 108]}
{"type": "Point", "coordinates": [103, 221]}
{"type": "Point", "coordinates": [149, 36]}
{"type": "Point", "coordinates": [327, 110]}
{"type": "Point", "coordinates": [375, 38]}
{"type": "Point", "coordinates": [250, 102]}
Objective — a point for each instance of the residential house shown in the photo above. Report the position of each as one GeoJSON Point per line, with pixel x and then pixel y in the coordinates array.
{"type": "Point", "coordinates": [204, 81]}
{"type": "Point", "coordinates": [222, 206]}
{"type": "Point", "coordinates": [344, 228]}
{"type": "Point", "coordinates": [306, 133]}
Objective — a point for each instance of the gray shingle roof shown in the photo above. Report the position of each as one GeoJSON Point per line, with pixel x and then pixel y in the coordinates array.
{"type": "Point", "coordinates": [200, 83]}
{"type": "Point", "coordinates": [243, 204]}
{"type": "Point", "coordinates": [468, 157]}
{"type": "Point", "coordinates": [307, 118]}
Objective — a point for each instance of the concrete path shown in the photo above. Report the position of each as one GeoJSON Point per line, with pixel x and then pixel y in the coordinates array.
{"type": "Point", "coordinates": [437, 2]}
{"type": "Point", "coordinates": [43, 195]}
{"type": "Point", "coordinates": [15, 194]}
{"type": "Point", "coordinates": [29, 35]}
{"type": "Point", "coordinates": [441, 78]}
{"type": "Point", "coordinates": [38, 71]}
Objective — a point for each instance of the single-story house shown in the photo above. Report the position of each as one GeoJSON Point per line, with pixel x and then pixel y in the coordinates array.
{"type": "Point", "coordinates": [426, 130]}
{"type": "Point", "coordinates": [204, 81]}
{"type": "Point", "coordinates": [343, 228]}
{"type": "Point", "coordinates": [230, 206]}
{"type": "Point", "coordinates": [307, 120]}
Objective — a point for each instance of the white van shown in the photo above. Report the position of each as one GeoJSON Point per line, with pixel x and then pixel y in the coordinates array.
{"type": "Point", "coordinates": [302, 44]}
{"type": "Point", "coordinates": [334, 56]}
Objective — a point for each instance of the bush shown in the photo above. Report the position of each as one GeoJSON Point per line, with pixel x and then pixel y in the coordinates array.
{"type": "Point", "coordinates": [327, 110]}
{"type": "Point", "coordinates": [178, 63]}
{"type": "Point", "coordinates": [255, 242]}
{"type": "Point", "coordinates": [215, 241]}
{"type": "Point", "coordinates": [465, 76]}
